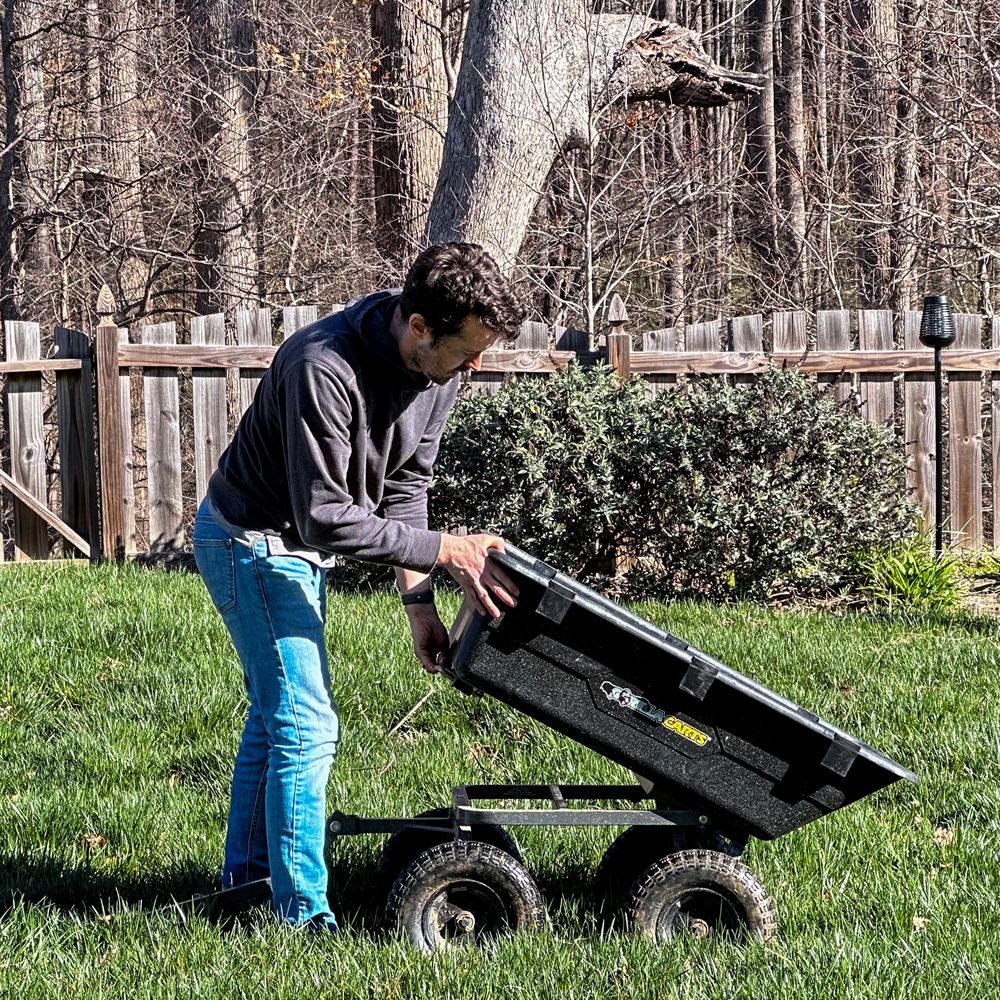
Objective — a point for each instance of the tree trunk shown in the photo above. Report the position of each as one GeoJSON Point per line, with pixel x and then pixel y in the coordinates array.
{"type": "Point", "coordinates": [904, 236]}
{"type": "Point", "coordinates": [795, 147]}
{"type": "Point", "coordinates": [875, 61]}
{"type": "Point", "coordinates": [409, 118]}
{"type": "Point", "coordinates": [821, 184]}
{"type": "Point", "coordinates": [223, 69]}
{"type": "Point", "coordinates": [8, 161]}
{"type": "Point", "coordinates": [534, 80]}
{"type": "Point", "coordinates": [677, 286]}
{"type": "Point", "coordinates": [762, 156]}
{"type": "Point", "coordinates": [120, 119]}
{"type": "Point", "coordinates": [666, 10]}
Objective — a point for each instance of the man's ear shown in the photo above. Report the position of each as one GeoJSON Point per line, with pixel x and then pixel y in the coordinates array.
{"type": "Point", "coordinates": [419, 327]}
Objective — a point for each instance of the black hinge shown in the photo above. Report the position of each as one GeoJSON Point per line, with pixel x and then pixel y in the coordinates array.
{"type": "Point", "coordinates": [840, 755]}
{"type": "Point", "coordinates": [555, 602]}
{"type": "Point", "coordinates": [698, 678]}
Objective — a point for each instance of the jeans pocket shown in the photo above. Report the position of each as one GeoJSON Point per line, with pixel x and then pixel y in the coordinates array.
{"type": "Point", "coordinates": [217, 565]}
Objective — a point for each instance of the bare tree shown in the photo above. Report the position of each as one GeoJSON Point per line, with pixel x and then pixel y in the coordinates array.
{"type": "Point", "coordinates": [223, 60]}
{"type": "Point", "coordinates": [762, 156]}
{"type": "Point", "coordinates": [876, 69]}
{"type": "Point", "coordinates": [531, 79]}
{"type": "Point", "coordinates": [211, 153]}
{"type": "Point", "coordinates": [410, 116]}
{"type": "Point", "coordinates": [121, 124]}
{"type": "Point", "coordinates": [794, 166]}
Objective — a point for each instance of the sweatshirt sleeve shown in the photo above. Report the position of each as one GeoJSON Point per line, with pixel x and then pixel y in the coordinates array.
{"type": "Point", "coordinates": [318, 454]}
{"type": "Point", "coordinates": [405, 493]}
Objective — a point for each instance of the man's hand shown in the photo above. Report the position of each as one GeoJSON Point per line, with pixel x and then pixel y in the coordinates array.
{"type": "Point", "coordinates": [465, 558]}
{"type": "Point", "coordinates": [430, 637]}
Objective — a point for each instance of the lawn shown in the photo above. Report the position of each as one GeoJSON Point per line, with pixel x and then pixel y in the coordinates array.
{"type": "Point", "coordinates": [120, 708]}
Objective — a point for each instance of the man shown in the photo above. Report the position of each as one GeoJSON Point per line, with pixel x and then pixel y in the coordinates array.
{"type": "Point", "coordinates": [334, 457]}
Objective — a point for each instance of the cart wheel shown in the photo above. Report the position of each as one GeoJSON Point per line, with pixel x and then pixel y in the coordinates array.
{"type": "Point", "coordinates": [402, 847]}
{"type": "Point", "coordinates": [462, 893]}
{"type": "Point", "coordinates": [635, 849]}
{"type": "Point", "coordinates": [702, 893]}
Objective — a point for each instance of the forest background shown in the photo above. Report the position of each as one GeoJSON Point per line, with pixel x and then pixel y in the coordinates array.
{"type": "Point", "coordinates": [209, 155]}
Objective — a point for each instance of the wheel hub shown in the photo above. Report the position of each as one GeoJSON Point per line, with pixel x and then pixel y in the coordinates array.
{"type": "Point", "coordinates": [464, 921]}
{"type": "Point", "coordinates": [699, 928]}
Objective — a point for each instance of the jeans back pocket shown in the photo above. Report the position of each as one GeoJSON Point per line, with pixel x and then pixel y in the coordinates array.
{"type": "Point", "coordinates": [217, 565]}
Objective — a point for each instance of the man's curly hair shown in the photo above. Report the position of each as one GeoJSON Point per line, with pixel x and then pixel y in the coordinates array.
{"type": "Point", "coordinates": [450, 281]}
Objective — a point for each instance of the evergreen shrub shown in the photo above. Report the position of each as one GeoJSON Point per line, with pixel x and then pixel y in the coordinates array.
{"type": "Point", "coordinates": [762, 490]}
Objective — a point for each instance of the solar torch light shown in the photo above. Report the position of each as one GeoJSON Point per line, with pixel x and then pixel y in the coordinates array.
{"type": "Point", "coordinates": [937, 330]}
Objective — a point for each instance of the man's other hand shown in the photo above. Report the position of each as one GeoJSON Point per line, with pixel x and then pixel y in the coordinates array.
{"type": "Point", "coordinates": [430, 637]}
{"type": "Point", "coordinates": [465, 557]}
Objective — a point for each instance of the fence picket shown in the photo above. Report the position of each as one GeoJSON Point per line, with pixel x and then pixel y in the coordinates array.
{"type": "Point", "coordinates": [253, 329]}
{"type": "Point", "coordinates": [789, 332]}
{"type": "Point", "coordinates": [163, 446]}
{"type": "Point", "coordinates": [703, 336]}
{"type": "Point", "coordinates": [745, 335]}
{"type": "Point", "coordinates": [833, 333]}
{"type": "Point", "coordinates": [293, 318]}
{"type": "Point", "coordinates": [532, 336]}
{"type": "Point", "coordinates": [27, 446]}
{"type": "Point", "coordinates": [918, 434]}
{"type": "Point", "coordinates": [877, 394]}
{"type": "Point", "coordinates": [128, 463]}
{"type": "Point", "coordinates": [660, 340]}
{"type": "Point", "coordinates": [965, 435]}
{"type": "Point", "coordinates": [211, 430]}
{"type": "Point", "coordinates": [75, 408]}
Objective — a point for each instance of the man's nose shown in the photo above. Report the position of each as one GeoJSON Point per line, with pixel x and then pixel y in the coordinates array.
{"type": "Point", "coordinates": [474, 364]}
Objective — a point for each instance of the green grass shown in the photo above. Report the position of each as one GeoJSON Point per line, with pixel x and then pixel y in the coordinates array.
{"type": "Point", "coordinates": [120, 708]}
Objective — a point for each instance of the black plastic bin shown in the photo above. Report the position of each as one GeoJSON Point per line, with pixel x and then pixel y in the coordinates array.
{"type": "Point", "coordinates": [706, 736]}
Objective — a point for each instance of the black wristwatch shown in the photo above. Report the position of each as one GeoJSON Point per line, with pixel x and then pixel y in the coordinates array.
{"type": "Point", "coordinates": [418, 597]}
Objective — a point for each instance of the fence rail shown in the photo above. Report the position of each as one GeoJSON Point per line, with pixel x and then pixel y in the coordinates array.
{"type": "Point", "coordinates": [164, 411]}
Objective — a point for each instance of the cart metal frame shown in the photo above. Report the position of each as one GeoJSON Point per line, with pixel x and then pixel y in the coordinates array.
{"type": "Point", "coordinates": [465, 815]}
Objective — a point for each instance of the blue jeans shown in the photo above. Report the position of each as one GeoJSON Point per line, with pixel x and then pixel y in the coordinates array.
{"type": "Point", "coordinates": [274, 607]}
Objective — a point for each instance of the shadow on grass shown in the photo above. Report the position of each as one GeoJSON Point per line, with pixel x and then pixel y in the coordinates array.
{"type": "Point", "coordinates": [357, 891]}
{"type": "Point", "coordinates": [82, 888]}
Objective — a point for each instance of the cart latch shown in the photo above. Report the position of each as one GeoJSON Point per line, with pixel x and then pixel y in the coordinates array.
{"type": "Point", "coordinates": [840, 755]}
{"type": "Point", "coordinates": [555, 602]}
{"type": "Point", "coordinates": [698, 678]}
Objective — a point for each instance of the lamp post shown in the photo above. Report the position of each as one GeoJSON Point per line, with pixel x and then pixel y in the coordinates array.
{"type": "Point", "coordinates": [937, 330]}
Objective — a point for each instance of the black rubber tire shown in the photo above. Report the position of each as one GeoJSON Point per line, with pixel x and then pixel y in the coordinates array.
{"type": "Point", "coordinates": [402, 847]}
{"type": "Point", "coordinates": [704, 893]}
{"type": "Point", "coordinates": [634, 850]}
{"type": "Point", "coordinates": [442, 887]}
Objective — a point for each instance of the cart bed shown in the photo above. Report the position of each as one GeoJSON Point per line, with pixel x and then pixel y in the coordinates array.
{"type": "Point", "coordinates": [706, 736]}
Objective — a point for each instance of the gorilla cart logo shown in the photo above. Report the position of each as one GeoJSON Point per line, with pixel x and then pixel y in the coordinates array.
{"type": "Point", "coordinates": [642, 706]}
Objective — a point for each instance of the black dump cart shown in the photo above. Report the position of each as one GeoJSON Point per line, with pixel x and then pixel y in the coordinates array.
{"type": "Point", "coordinates": [718, 759]}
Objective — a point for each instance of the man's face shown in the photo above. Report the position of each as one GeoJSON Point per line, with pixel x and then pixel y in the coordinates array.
{"type": "Point", "coordinates": [451, 356]}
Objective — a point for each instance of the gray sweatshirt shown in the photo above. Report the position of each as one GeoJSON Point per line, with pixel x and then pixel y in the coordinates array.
{"type": "Point", "coordinates": [335, 454]}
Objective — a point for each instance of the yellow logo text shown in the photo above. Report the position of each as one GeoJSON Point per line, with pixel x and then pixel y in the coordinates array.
{"type": "Point", "coordinates": [696, 736]}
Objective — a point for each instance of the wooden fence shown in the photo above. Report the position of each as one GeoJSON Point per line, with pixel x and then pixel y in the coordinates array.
{"type": "Point", "coordinates": [165, 410]}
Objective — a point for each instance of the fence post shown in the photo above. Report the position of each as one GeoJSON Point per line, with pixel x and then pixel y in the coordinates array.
{"type": "Point", "coordinates": [77, 449]}
{"type": "Point", "coordinates": [128, 464]}
{"type": "Point", "coordinates": [619, 342]}
{"type": "Point", "coordinates": [109, 430]}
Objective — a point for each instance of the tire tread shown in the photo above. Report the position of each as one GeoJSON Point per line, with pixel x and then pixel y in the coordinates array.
{"type": "Point", "coordinates": [731, 873]}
